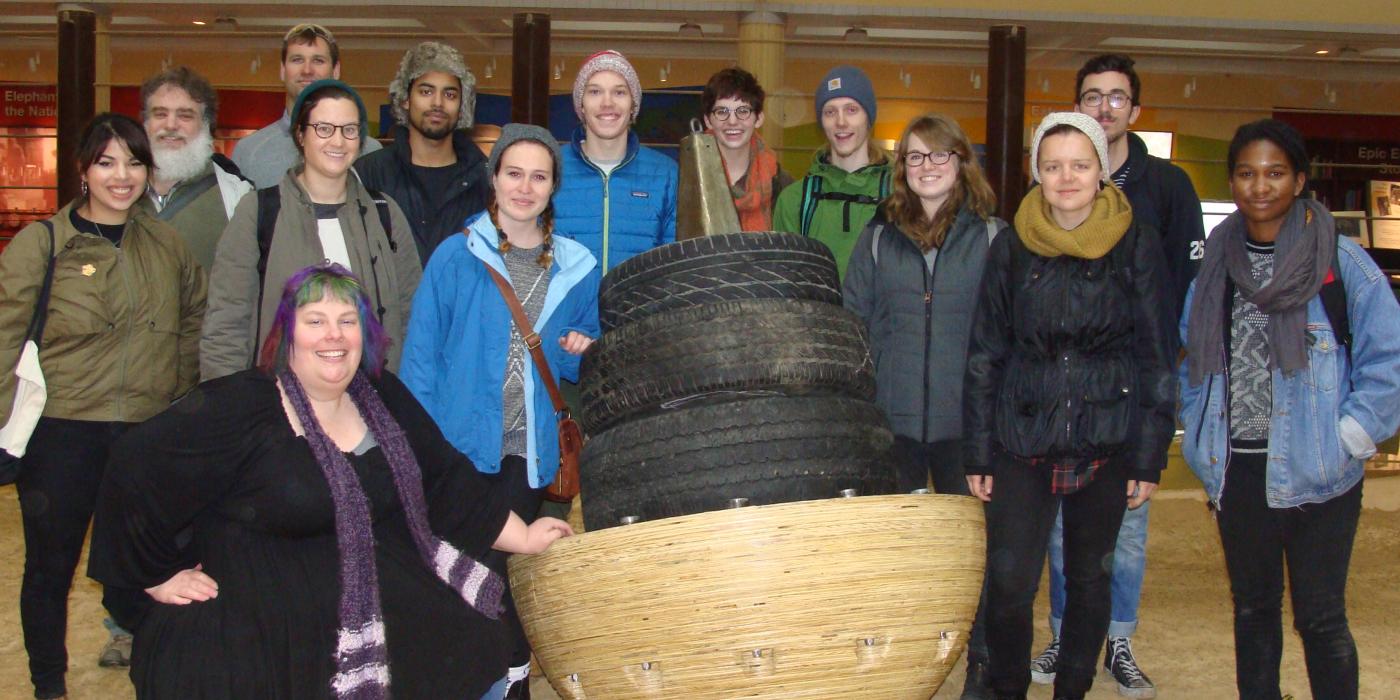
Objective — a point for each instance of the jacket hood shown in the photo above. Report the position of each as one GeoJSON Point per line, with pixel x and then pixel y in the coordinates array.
{"type": "Point", "coordinates": [571, 258]}
{"type": "Point", "coordinates": [1137, 157]}
{"type": "Point", "coordinates": [462, 144]}
{"type": "Point", "coordinates": [822, 168]}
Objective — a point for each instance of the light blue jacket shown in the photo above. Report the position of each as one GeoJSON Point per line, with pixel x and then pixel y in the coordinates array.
{"type": "Point", "coordinates": [1326, 419]}
{"type": "Point", "coordinates": [454, 359]}
{"type": "Point", "coordinates": [629, 211]}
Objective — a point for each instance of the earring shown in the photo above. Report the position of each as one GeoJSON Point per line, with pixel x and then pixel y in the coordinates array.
{"type": "Point", "coordinates": [85, 188]}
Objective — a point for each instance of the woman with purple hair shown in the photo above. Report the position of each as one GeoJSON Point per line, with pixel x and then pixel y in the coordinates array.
{"type": "Point", "coordinates": [304, 528]}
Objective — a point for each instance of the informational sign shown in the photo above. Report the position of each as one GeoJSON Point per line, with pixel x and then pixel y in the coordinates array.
{"type": "Point", "coordinates": [28, 105]}
{"type": "Point", "coordinates": [1384, 205]}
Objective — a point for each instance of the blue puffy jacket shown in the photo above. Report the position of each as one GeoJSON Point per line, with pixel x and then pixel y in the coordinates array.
{"type": "Point", "coordinates": [629, 211]}
{"type": "Point", "coordinates": [454, 358]}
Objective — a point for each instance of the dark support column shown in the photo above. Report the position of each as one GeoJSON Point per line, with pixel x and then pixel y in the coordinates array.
{"type": "Point", "coordinates": [529, 77]}
{"type": "Point", "coordinates": [1006, 112]}
{"type": "Point", "coordinates": [77, 73]}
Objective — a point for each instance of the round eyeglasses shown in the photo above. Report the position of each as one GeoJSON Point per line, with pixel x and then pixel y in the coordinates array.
{"type": "Point", "coordinates": [326, 130]}
{"type": "Point", "coordinates": [743, 114]}
{"type": "Point", "coordinates": [1094, 98]}
{"type": "Point", "coordinates": [914, 159]}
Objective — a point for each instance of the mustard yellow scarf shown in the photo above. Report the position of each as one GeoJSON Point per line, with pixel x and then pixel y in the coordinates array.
{"type": "Point", "coordinates": [1091, 240]}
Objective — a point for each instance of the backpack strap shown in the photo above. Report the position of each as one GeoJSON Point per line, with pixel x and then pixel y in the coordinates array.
{"type": "Point", "coordinates": [269, 206]}
{"type": "Point", "coordinates": [811, 189]}
{"type": "Point", "coordinates": [875, 243]}
{"type": "Point", "coordinates": [381, 203]}
{"type": "Point", "coordinates": [1334, 304]}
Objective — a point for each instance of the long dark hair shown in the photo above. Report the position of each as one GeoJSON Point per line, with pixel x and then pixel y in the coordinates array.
{"type": "Point", "coordinates": [107, 126]}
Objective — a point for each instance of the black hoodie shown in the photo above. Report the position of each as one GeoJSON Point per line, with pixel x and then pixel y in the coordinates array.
{"type": "Point", "coordinates": [391, 171]}
{"type": "Point", "coordinates": [1164, 199]}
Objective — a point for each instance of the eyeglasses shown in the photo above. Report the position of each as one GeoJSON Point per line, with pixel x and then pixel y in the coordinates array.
{"type": "Point", "coordinates": [743, 114]}
{"type": "Point", "coordinates": [914, 159]}
{"type": "Point", "coordinates": [1094, 98]}
{"type": "Point", "coordinates": [325, 130]}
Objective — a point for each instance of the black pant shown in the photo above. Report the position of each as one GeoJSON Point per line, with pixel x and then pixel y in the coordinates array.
{"type": "Point", "coordinates": [1019, 518]}
{"type": "Point", "coordinates": [513, 484]}
{"type": "Point", "coordinates": [1315, 541]}
{"type": "Point", "coordinates": [943, 459]}
{"type": "Point", "coordinates": [57, 486]}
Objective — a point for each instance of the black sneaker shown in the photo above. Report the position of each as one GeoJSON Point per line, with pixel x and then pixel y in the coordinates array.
{"type": "Point", "coordinates": [1043, 666]}
{"type": "Point", "coordinates": [1120, 663]}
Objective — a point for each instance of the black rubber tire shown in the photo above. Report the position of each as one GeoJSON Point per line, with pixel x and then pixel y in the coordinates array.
{"type": "Point", "coordinates": [768, 450]}
{"type": "Point", "coordinates": [718, 268]}
{"type": "Point", "coordinates": [712, 352]}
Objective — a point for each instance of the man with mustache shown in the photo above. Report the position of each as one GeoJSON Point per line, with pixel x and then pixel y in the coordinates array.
{"type": "Point", "coordinates": [309, 53]}
{"type": "Point", "coordinates": [1108, 89]}
{"type": "Point", "coordinates": [193, 188]}
{"type": "Point", "coordinates": [433, 169]}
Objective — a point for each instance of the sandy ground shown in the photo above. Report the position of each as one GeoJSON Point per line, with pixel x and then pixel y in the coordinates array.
{"type": "Point", "coordinates": [1184, 642]}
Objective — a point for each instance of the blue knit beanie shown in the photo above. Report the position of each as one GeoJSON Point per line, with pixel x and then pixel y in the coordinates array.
{"type": "Point", "coordinates": [847, 81]}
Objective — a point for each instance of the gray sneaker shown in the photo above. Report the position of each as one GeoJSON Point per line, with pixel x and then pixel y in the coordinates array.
{"type": "Point", "coordinates": [1043, 666]}
{"type": "Point", "coordinates": [117, 653]}
{"type": "Point", "coordinates": [1120, 663]}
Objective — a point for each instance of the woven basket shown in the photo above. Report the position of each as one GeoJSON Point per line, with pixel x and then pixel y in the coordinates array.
{"type": "Point", "coordinates": [851, 597]}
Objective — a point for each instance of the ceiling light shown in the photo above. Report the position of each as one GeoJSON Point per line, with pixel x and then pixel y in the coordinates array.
{"type": "Point", "coordinates": [199, 22]}
{"type": "Point", "coordinates": [855, 34]}
{"type": "Point", "coordinates": [1322, 52]}
{"type": "Point", "coordinates": [691, 30]}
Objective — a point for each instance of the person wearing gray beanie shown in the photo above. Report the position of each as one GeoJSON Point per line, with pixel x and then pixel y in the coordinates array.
{"type": "Point", "coordinates": [848, 177]}
{"type": "Point", "coordinates": [432, 168]}
{"type": "Point", "coordinates": [1069, 397]}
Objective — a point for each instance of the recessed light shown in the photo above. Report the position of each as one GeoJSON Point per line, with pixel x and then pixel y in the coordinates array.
{"type": "Point", "coordinates": [199, 22]}
{"type": "Point", "coordinates": [1322, 52]}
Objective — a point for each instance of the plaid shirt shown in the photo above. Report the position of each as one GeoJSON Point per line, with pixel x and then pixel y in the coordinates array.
{"type": "Point", "coordinates": [1067, 477]}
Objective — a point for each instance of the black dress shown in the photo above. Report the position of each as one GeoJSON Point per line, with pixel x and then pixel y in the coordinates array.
{"type": "Point", "coordinates": [221, 479]}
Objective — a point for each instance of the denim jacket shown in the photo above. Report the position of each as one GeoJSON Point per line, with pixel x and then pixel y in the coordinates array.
{"type": "Point", "coordinates": [1327, 418]}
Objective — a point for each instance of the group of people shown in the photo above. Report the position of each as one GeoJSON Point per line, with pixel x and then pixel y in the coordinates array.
{"type": "Point", "coordinates": [290, 394]}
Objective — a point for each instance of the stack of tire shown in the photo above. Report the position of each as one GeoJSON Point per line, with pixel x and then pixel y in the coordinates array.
{"type": "Point", "coordinates": [727, 369]}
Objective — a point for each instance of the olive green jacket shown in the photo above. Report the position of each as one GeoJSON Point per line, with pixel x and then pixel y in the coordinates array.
{"type": "Point", "coordinates": [122, 337]}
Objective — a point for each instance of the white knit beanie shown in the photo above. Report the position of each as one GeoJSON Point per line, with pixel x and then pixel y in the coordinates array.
{"type": "Point", "coordinates": [615, 62]}
{"type": "Point", "coordinates": [1084, 123]}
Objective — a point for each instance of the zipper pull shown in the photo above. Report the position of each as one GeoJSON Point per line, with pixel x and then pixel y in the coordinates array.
{"type": "Point", "coordinates": [928, 297]}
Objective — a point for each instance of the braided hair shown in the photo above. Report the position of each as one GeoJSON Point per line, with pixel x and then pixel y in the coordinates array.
{"type": "Point", "coordinates": [546, 223]}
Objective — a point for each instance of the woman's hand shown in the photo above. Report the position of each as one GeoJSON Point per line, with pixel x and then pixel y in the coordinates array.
{"type": "Point", "coordinates": [981, 486]}
{"type": "Point", "coordinates": [575, 343]}
{"type": "Point", "coordinates": [188, 586]}
{"type": "Point", "coordinates": [518, 538]}
{"type": "Point", "coordinates": [1139, 492]}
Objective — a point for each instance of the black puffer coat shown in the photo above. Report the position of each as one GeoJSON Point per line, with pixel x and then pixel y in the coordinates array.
{"type": "Point", "coordinates": [1072, 358]}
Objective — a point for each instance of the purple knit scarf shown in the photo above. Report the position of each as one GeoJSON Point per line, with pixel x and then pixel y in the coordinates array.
{"type": "Point", "coordinates": [361, 658]}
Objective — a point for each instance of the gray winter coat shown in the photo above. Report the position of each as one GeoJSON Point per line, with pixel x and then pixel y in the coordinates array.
{"type": "Point", "coordinates": [390, 272]}
{"type": "Point", "coordinates": [919, 314]}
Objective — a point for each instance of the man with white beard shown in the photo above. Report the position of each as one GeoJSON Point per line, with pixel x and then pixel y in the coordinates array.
{"type": "Point", "coordinates": [192, 187]}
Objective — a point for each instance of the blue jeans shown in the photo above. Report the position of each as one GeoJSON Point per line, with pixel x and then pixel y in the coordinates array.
{"type": "Point", "coordinates": [1129, 566]}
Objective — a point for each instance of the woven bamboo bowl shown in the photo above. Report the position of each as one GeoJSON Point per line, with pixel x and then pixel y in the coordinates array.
{"type": "Point", "coordinates": [851, 597]}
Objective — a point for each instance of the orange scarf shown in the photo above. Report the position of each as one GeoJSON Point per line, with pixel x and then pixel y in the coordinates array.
{"type": "Point", "coordinates": [755, 201]}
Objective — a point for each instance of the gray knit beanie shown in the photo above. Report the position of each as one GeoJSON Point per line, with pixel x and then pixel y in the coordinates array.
{"type": "Point", "coordinates": [1083, 123]}
{"type": "Point", "coordinates": [615, 62]}
{"type": "Point", "coordinates": [847, 81]}
{"type": "Point", "coordinates": [427, 57]}
{"type": "Point", "coordinates": [513, 133]}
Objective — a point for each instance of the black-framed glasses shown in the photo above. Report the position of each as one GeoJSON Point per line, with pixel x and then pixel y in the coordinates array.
{"type": "Point", "coordinates": [743, 114]}
{"type": "Point", "coordinates": [326, 130]}
{"type": "Point", "coordinates": [1094, 98]}
{"type": "Point", "coordinates": [914, 159]}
